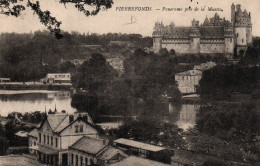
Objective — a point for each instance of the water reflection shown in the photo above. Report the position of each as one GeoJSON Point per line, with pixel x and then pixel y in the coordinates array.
{"type": "Point", "coordinates": [34, 100]}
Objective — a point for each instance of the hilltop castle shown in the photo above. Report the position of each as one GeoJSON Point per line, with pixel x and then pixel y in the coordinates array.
{"type": "Point", "coordinates": [215, 35]}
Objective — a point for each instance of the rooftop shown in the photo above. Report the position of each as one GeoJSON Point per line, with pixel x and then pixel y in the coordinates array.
{"type": "Point", "coordinates": [60, 121]}
{"type": "Point", "coordinates": [132, 160]}
{"type": "Point", "coordinates": [89, 145]}
{"type": "Point", "coordinates": [22, 134]}
{"type": "Point", "coordinates": [139, 145]}
{"type": "Point", "coordinates": [190, 73]}
{"type": "Point", "coordinates": [109, 152]}
{"type": "Point", "coordinates": [33, 133]}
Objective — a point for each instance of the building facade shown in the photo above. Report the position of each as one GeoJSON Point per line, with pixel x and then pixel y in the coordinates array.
{"type": "Point", "coordinates": [188, 81]}
{"type": "Point", "coordinates": [58, 132]}
{"type": "Point", "coordinates": [215, 35]}
{"type": "Point", "coordinates": [94, 151]}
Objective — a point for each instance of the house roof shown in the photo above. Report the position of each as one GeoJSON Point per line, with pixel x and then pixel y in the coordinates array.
{"type": "Point", "coordinates": [190, 73]}
{"type": "Point", "coordinates": [22, 134]}
{"type": "Point", "coordinates": [109, 152]}
{"type": "Point", "coordinates": [212, 31]}
{"type": "Point", "coordinates": [33, 133]}
{"type": "Point", "coordinates": [89, 145]}
{"type": "Point", "coordinates": [139, 145]}
{"type": "Point", "coordinates": [60, 121]}
{"type": "Point", "coordinates": [132, 160]}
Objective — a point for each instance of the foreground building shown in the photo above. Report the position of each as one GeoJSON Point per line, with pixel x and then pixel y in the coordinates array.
{"type": "Point", "coordinates": [58, 132]}
{"type": "Point", "coordinates": [215, 35]}
{"type": "Point", "coordinates": [94, 151]}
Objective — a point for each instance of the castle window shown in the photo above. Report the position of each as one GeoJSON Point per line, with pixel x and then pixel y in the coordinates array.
{"type": "Point", "coordinates": [231, 40]}
{"type": "Point", "coordinates": [242, 40]}
{"type": "Point", "coordinates": [237, 34]}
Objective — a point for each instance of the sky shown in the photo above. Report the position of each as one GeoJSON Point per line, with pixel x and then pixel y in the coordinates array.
{"type": "Point", "coordinates": [116, 21]}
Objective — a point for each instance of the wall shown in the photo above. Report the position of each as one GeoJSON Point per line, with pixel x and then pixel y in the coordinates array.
{"type": "Point", "coordinates": [195, 45]}
{"type": "Point", "coordinates": [212, 48]}
{"type": "Point", "coordinates": [186, 84]}
{"type": "Point", "coordinates": [249, 35]}
{"type": "Point", "coordinates": [240, 32]}
{"type": "Point", "coordinates": [69, 135]}
{"type": "Point", "coordinates": [229, 45]}
{"type": "Point", "coordinates": [178, 47]}
{"type": "Point", "coordinates": [80, 154]}
{"type": "Point", "coordinates": [156, 44]}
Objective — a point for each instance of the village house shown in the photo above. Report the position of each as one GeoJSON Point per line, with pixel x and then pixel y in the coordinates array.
{"type": "Point", "coordinates": [58, 132]}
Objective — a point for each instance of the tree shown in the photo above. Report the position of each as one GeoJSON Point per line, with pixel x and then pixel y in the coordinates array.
{"type": "Point", "coordinates": [15, 7]}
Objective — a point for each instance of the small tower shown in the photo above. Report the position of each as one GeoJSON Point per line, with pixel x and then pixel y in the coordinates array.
{"type": "Point", "coordinates": [195, 37]}
{"type": "Point", "coordinates": [157, 36]}
{"type": "Point", "coordinates": [233, 10]}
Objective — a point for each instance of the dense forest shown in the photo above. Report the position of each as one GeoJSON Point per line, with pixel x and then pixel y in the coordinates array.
{"type": "Point", "coordinates": [43, 53]}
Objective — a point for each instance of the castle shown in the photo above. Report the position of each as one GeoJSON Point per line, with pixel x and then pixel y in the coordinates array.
{"type": "Point", "coordinates": [215, 35]}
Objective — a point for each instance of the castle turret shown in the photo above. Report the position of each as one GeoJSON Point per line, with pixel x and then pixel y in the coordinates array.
{"type": "Point", "coordinates": [195, 37]}
{"type": "Point", "coordinates": [243, 29]}
{"type": "Point", "coordinates": [233, 10]}
{"type": "Point", "coordinates": [157, 36]}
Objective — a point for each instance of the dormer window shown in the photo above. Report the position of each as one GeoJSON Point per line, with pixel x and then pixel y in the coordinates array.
{"type": "Point", "coordinates": [81, 128]}
{"type": "Point", "coordinates": [76, 129]}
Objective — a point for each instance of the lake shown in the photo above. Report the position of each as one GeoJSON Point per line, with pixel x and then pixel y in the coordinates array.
{"type": "Point", "coordinates": [40, 100]}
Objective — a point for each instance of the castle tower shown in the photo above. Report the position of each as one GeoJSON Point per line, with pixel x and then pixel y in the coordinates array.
{"type": "Point", "coordinates": [157, 36]}
{"type": "Point", "coordinates": [243, 30]}
{"type": "Point", "coordinates": [195, 37]}
{"type": "Point", "coordinates": [233, 14]}
{"type": "Point", "coordinates": [229, 40]}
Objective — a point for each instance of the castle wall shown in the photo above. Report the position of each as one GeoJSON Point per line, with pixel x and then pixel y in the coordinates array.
{"type": "Point", "coordinates": [195, 45]}
{"type": "Point", "coordinates": [178, 48]}
{"type": "Point", "coordinates": [229, 45]}
{"type": "Point", "coordinates": [240, 33]}
{"type": "Point", "coordinates": [208, 48]}
{"type": "Point", "coordinates": [249, 34]}
{"type": "Point", "coordinates": [156, 44]}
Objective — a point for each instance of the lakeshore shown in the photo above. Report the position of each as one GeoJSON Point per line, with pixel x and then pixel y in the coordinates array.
{"type": "Point", "coordinates": [34, 86]}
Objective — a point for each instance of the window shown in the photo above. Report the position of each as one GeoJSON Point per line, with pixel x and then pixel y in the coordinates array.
{"type": "Point", "coordinates": [76, 160]}
{"type": "Point", "coordinates": [72, 158]}
{"type": "Point", "coordinates": [81, 161]}
{"type": "Point", "coordinates": [231, 40]}
{"type": "Point", "coordinates": [48, 140]}
{"type": "Point", "coordinates": [51, 140]}
{"type": "Point", "coordinates": [76, 129]}
{"type": "Point", "coordinates": [68, 76]}
{"type": "Point", "coordinates": [56, 142]}
{"type": "Point", "coordinates": [34, 143]}
{"type": "Point", "coordinates": [81, 128]}
{"type": "Point", "coordinates": [86, 161]}
{"type": "Point", "coordinates": [44, 138]}
{"type": "Point", "coordinates": [242, 40]}
{"type": "Point", "coordinates": [91, 162]}
{"type": "Point", "coordinates": [40, 137]}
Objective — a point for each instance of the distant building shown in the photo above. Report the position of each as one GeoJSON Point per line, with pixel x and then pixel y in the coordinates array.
{"type": "Point", "coordinates": [53, 78]}
{"type": "Point", "coordinates": [58, 132]}
{"type": "Point", "coordinates": [188, 81]}
{"type": "Point", "coordinates": [215, 35]}
{"type": "Point", "coordinates": [94, 151]}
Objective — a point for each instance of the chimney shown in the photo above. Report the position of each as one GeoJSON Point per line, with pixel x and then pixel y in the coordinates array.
{"type": "Point", "coordinates": [71, 118]}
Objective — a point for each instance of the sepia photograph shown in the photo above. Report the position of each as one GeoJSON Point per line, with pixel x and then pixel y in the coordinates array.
{"type": "Point", "coordinates": [129, 83]}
